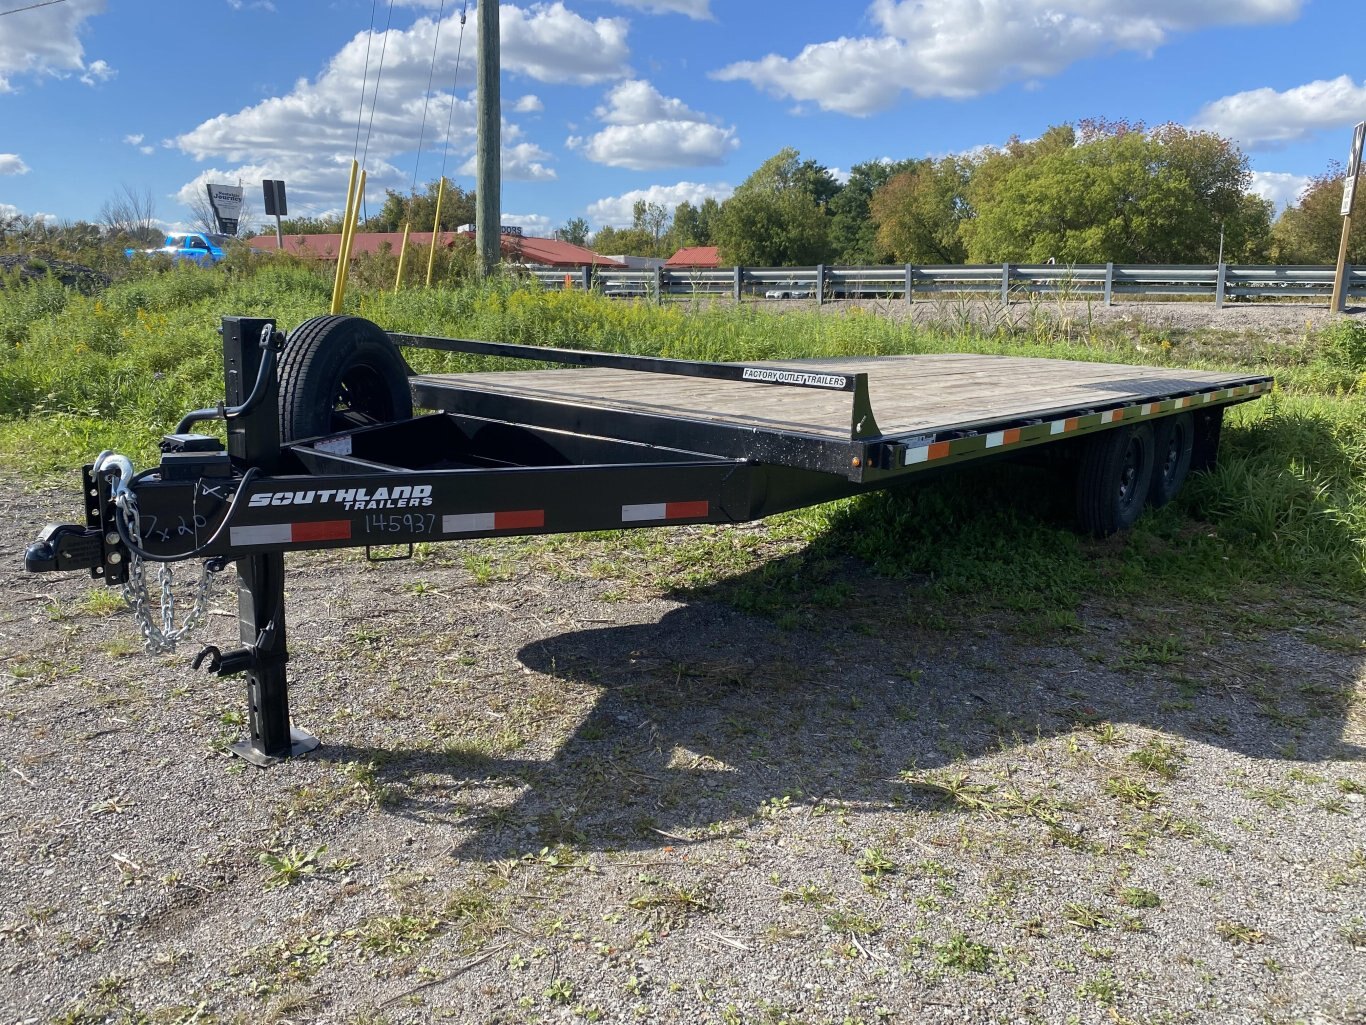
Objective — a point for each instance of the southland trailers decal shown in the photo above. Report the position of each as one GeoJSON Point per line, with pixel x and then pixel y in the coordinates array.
{"type": "Point", "coordinates": [355, 499]}
{"type": "Point", "coordinates": [771, 376]}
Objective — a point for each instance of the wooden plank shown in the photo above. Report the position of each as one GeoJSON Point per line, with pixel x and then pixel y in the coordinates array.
{"type": "Point", "coordinates": [909, 394]}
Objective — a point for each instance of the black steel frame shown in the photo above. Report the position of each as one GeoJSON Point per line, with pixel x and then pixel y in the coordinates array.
{"type": "Point", "coordinates": [501, 466]}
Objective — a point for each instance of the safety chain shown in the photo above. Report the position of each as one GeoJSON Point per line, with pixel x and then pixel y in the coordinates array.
{"type": "Point", "coordinates": [158, 638]}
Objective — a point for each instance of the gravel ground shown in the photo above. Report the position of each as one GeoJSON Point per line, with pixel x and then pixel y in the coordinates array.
{"type": "Point", "coordinates": [1262, 319]}
{"type": "Point", "coordinates": [546, 796]}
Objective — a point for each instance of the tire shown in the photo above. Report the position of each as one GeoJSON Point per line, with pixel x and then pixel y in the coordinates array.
{"type": "Point", "coordinates": [338, 373]}
{"type": "Point", "coordinates": [1114, 478]}
{"type": "Point", "coordinates": [1173, 444]}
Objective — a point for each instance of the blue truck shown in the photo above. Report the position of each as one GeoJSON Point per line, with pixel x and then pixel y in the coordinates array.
{"type": "Point", "coordinates": [198, 246]}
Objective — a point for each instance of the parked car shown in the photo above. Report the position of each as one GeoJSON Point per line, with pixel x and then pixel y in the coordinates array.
{"type": "Point", "coordinates": [198, 246]}
{"type": "Point", "coordinates": [791, 290]}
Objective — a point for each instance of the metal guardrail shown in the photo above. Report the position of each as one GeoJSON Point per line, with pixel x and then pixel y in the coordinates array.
{"type": "Point", "coordinates": [1009, 282]}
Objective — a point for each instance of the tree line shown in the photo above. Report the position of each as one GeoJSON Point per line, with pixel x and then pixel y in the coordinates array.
{"type": "Point", "coordinates": [1094, 192]}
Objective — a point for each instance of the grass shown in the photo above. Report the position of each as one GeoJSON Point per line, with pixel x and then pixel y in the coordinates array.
{"type": "Point", "coordinates": [1285, 509]}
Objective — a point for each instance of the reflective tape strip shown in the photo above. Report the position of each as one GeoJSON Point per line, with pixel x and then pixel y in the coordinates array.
{"type": "Point", "coordinates": [1063, 426]}
{"type": "Point", "coordinates": [1111, 415]}
{"type": "Point", "coordinates": [475, 523]}
{"type": "Point", "coordinates": [927, 453]}
{"type": "Point", "coordinates": [998, 438]}
{"type": "Point", "coordinates": [290, 533]}
{"type": "Point", "coordinates": [665, 511]}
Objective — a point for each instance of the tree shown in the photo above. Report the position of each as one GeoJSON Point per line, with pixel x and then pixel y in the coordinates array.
{"type": "Point", "coordinates": [920, 212]}
{"type": "Point", "coordinates": [654, 220]}
{"type": "Point", "coordinates": [574, 232]}
{"type": "Point", "coordinates": [611, 241]}
{"type": "Point", "coordinates": [311, 225]}
{"type": "Point", "coordinates": [1113, 191]}
{"type": "Point", "coordinates": [853, 234]}
{"type": "Point", "coordinates": [419, 211]}
{"type": "Point", "coordinates": [693, 224]}
{"type": "Point", "coordinates": [777, 217]}
{"type": "Point", "coordinates": [132, 215]}
{"type": "Point", "coordinates": [1311, 230]}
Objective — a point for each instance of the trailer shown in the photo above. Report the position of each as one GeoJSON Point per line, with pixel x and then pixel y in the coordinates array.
{"type": "Point", "coordinates": [324, 451]}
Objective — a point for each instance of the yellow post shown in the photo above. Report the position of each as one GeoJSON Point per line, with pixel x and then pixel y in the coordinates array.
{"type": "Point", "coordinates": [337, 281]}
{"type": "Point", "coordinates": [436, 228]}
{"type": "Point", "coordinates": [349, 237]}
{"type": "Point", "coordinates": [402, 255]}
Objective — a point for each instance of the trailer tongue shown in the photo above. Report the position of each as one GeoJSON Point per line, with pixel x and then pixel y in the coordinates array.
{"type": "Point", "coordinates": [323, 451]}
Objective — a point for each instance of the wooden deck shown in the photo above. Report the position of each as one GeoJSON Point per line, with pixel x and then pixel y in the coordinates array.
{"type": "Point", "coordinates": [910, 395]}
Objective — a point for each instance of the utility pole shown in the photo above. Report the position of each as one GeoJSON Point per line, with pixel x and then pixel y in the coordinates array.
{"type": "Point", "coordinates": [488, 184]}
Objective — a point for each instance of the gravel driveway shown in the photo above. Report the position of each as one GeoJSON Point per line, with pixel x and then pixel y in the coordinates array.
{"type": "Point", "coordinates": [544, 795]}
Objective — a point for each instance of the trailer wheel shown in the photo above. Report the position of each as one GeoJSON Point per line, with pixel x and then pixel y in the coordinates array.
{"type": "Point", "coordinates": [1173, 443]}
{"type": "Point", "coordinates": [1113, 479]}
{"type": "Point", "coordinates": [338, 373]}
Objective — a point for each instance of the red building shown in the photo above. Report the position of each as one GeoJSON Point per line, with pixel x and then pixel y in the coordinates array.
{"type": "Point", "coordinates": [702, 257]}
{"type": "Point", "coordinates": [545, 252]}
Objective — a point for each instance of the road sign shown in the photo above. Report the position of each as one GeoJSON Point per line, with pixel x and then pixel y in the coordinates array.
{"type": "Point", "coordinates": [1349, 184]}
{"type": "Point", "coordinates": [275, 198]}
{"type": "Point", "coordinates": [226, 203]}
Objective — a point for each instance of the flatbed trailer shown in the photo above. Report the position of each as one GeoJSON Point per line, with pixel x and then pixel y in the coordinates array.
{"type": "Point", "coordinates": [323, 451]}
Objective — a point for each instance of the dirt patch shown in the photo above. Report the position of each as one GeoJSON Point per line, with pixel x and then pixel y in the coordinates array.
{"type": "Point", "coordinates": [541, 798]}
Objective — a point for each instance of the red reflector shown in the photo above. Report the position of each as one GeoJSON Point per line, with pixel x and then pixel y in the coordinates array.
{"type": "Point", "coordinates": [321, 530]}
{"type": "Point", "coordinates": [520, 519]}
{"type": "Point", "coordinates": [685, 510]}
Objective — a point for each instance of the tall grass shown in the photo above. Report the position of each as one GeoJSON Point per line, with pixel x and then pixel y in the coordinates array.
{"type": "Point", "coordinates": [1287, 502]}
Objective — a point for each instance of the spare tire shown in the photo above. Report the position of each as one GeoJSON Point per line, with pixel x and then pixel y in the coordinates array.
{"type": "Point", "coordinates": [338, 373]}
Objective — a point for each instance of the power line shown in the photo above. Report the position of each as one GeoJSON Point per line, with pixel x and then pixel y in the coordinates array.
{"type": "Point", "coordinates": [364, 79]}
{"type": "Point", "coordinates": [430, 73]}
{"type": "Point", "coordinates": [30, 7]}
{"type": "Point", "coordinates": [450, 114]}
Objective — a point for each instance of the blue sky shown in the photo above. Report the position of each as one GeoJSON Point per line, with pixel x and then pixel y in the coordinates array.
{"type": "Point", "coordinates": [610, 101]}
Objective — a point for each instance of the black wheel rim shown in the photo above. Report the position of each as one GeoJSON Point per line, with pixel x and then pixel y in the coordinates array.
{"type": "Point", "coordinates": [1128, 474]}
{"type": "Point", "coordinates": [362, 398]}
{"type": "Point", "coordinates": [1172, 457]}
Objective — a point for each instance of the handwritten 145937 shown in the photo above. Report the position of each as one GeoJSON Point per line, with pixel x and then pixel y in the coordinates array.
{"type": "Point", "coordinates": [400, 523]}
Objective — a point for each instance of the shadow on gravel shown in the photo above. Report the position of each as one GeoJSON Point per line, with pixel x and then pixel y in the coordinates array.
{"type": "Point", "coordinates": [851, 677]}
{"type": "Point", "coordinates": [711, 719]}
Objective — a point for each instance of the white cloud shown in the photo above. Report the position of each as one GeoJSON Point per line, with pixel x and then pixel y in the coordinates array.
{"type": "Point", "coordinates": [698, 10]}
{"type": "Point", "coordinates": [310, 131]}
{"type": "Point", "coordinates": [963, 48]}
{"type": "Point", "coordinates": [637, 103]}
{"type": "Point", "coordinates": [647, 131]}
{"type": "Point", "coordinates": [11, 164]}
{"type": "Point", "coordinates": [98, 72]}
{"type": "Point", "coordinates": [528, 104]}
{"type": "Point", "coordinates": [521, 162]}
{"type": "Point", "coordinates": [1264, 118]}
{"type": "Point", "coordinates": [553, 44]}
{"type": "Point", "coordinates": [1281, 188]}
{"type": "Point", "coordinates": [535, 225]}
{"type": "Point", "coordinates": [46, 41]}
{"type": "Point", "coordinates": [147, 149]}
{"type": "Point", "coordinates": [617, 210]}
